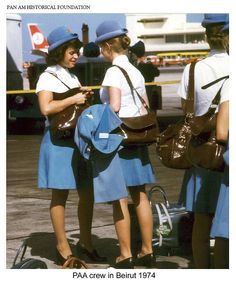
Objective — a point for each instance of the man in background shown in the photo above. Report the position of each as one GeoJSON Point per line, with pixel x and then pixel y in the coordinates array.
{"type": "Point", "coordinates": [149, 72]}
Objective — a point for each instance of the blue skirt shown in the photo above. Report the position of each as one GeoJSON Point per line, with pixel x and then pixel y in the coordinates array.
{"type": "Point", "coordinates": [200, 190]}
{"type": "Point", "coordinates": [220, 225]}
{"type": "Point", "coordinates": [61, 165]}
{"type": "Point", "coordinates": [136, 166]}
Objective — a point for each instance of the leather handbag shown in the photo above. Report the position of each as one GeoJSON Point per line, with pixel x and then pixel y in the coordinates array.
{"type": "Point", "coordinates": [172, 224]}
{"type": "Point", "coordinates": [63, 123]}
{"type": "Point", "coordinates": [141, 130]}
{"type": "Point", "coordinates": [173, 142]}
{"type": "Point", "coordinates": [204, 150]}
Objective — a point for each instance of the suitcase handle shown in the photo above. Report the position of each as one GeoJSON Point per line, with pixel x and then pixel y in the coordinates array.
{"type": "Point", "coordinates": [21, 250]}
{"type": "Point", "coordinates": [158, 188]}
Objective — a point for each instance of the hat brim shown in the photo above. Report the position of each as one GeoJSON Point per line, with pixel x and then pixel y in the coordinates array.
{"type": "Point", "coordinates": [62, 41]}
{"type": "Point", "coordinates": [107, 146]}
{"type": "Point", "coordinates": [111, 35]}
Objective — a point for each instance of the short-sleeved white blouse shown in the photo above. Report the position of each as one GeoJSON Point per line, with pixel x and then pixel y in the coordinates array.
{"type": "Point", "coordinates": [48, 82]}
{"type": "Point", "coordinates": [216, 65]}
{"type": "Point", "coordinates": [115, 78]}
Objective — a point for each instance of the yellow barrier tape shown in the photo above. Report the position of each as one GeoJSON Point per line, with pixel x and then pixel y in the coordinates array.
{"type": "Point", "coordinates": [14, 92]}
{"type": "Point", "coordinates": [23, 92]}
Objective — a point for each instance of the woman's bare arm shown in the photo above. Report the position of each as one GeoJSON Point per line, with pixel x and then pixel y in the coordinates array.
{"type": "Point", "coordinates": [222, 122]}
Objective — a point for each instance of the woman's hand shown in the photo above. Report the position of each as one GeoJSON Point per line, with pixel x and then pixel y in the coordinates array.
{"type": "Point", "coordinates": [79, 98]}
{"type": "Point", "coordinates": [86, 90]}
{"type": "Point", "coordinates": [48, 106]}
{"type": "Point", "coordinates": [85, 94]}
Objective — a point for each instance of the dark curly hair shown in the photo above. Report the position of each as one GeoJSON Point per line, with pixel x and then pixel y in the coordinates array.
{"type": "Point", "coordinates": [57, 55]}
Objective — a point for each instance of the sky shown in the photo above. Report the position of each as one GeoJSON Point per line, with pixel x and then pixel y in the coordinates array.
{"type": "Point", "coordinates": [47, 22]}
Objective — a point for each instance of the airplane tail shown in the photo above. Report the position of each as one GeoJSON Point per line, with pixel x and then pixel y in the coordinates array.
{"type": "Point", "coordinates": [38, 40]}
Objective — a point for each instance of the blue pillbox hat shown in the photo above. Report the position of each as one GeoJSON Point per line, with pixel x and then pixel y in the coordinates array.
{"type": "Point", "coordinates": [108, 30]}
{"type": "Point", "coordinates": [60, 36]}
{"type": "Point", "coordinates": [213, 19]}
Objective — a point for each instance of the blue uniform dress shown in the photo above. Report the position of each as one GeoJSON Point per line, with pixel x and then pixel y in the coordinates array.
{"type": "Point", "coordinates": [60, 164]}
{"type": "Point", "coordinates": [200, 190]}
{"type": "Point", "coordinates": [200, 187]}
{"type": "Point", "coordinates": [136, 166]}
{"type": "Point", "coordinates": [135, 161]}
{"type": "Point", "coordinates": [220, 225]}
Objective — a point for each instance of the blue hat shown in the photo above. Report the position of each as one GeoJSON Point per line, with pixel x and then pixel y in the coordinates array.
{"type": "Point", "coordinates": [213, 19]}
{"type": "Point", "coordinates": [95, 125]}
{"type": "Point", "coordinates": [108, 30]}
{"type": "Point", "coordinates": [60, 36]}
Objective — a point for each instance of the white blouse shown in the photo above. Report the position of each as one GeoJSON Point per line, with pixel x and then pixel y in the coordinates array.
{"type": "Point", "coordinates": [49, 82]}
{"type": "Point", "coordinates": [216, 65]}
{"type": "Point", "coordinates": [115, 78]}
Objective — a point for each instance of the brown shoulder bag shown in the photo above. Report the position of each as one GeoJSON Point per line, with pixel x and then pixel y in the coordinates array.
{"type": "Point", "coordinates": [63, 123]}
{"type": "Point", "coordinates": [204, 150]}
{"type": "Point", "coordinates": [141, 130]}
{"type": "Point", "coordinates": [173, 142]}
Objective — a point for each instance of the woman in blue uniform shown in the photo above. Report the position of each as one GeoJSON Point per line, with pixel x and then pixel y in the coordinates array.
{"type": "Point", "coordinates": [60, 165]}
{"type": "Point", "coordinates": [200, 187]}
{"type": "Point", "coordinates": [135, 163]}
{"type": "Point", "coordinates": [220, 225]}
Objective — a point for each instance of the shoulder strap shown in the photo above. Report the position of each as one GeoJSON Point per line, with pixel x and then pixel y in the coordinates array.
{"type": "Point", "coordinates": [132, 87]}
{"type": "Point", "coordinates": [215, 81]}
{"type": "Point", "coordinates": [190, 95]}
{"type": "Point", "coordinates": [216, 99]}
{"type": "Point", "coordinates": [55, 75]}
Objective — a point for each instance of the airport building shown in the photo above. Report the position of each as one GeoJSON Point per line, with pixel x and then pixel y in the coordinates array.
{"type": "Point", "coordinates": [166, 32]}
